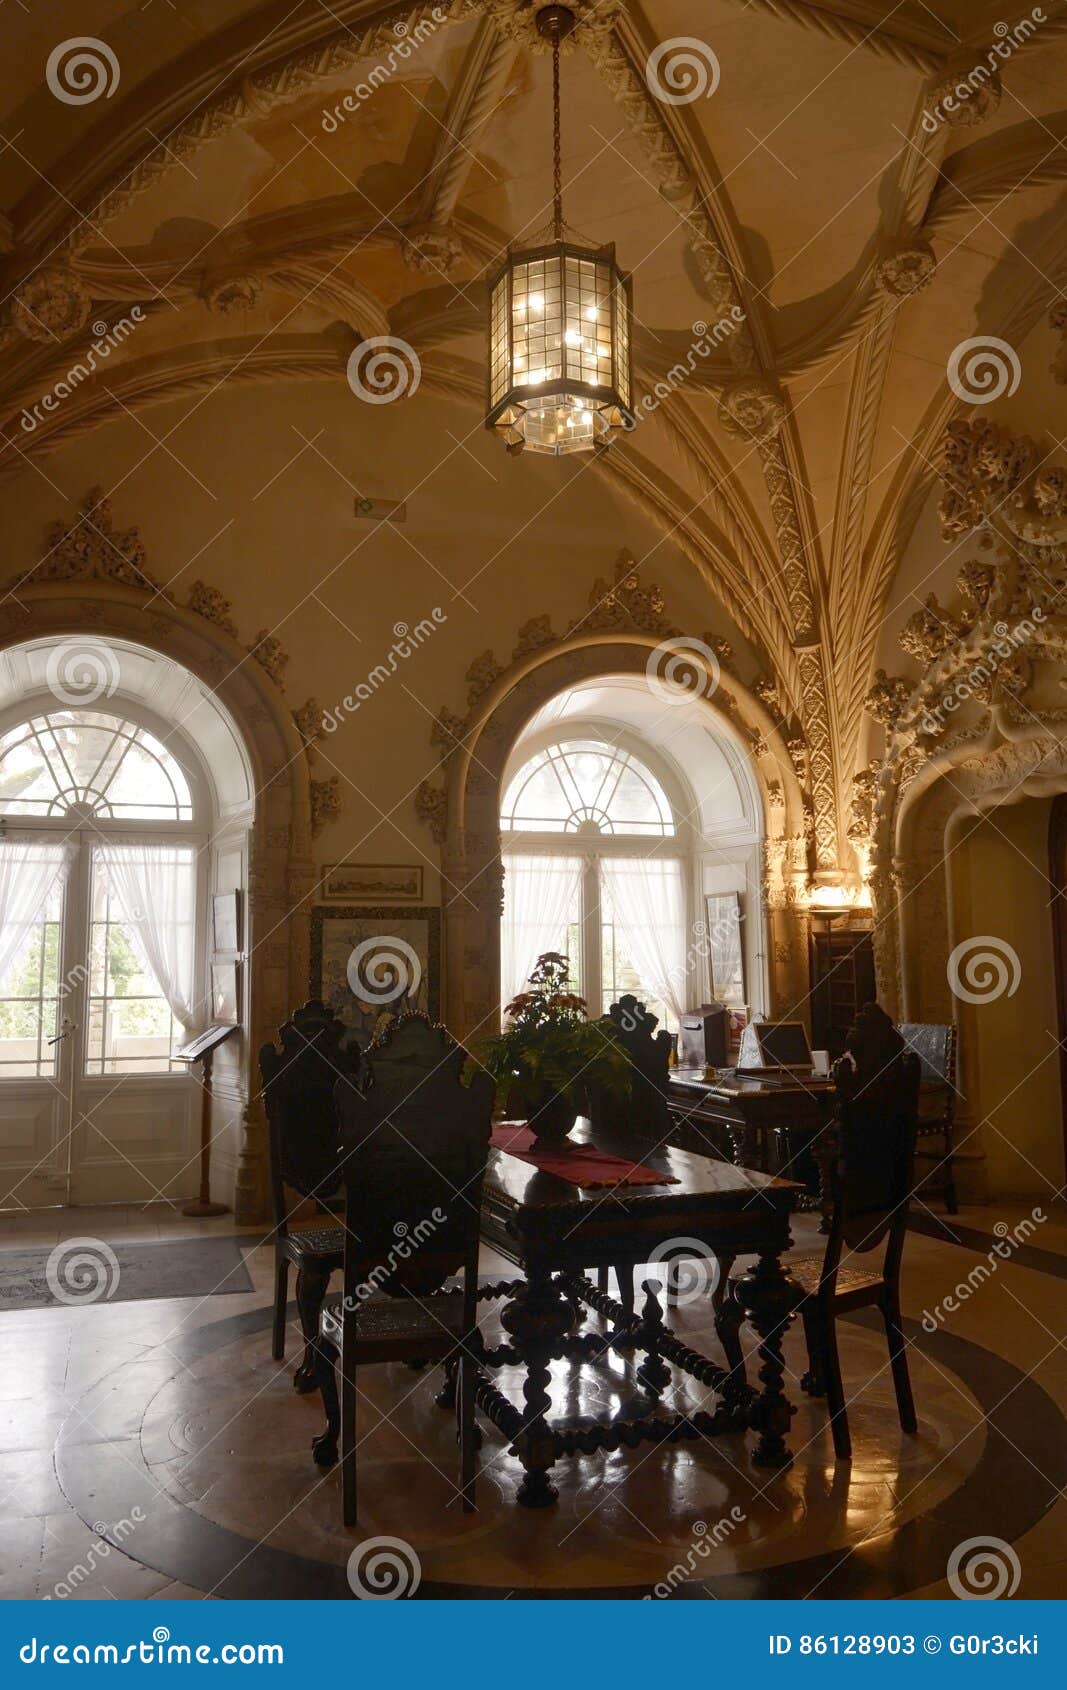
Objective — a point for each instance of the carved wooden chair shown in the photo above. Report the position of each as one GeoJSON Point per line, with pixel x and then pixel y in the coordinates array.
{"type": "Point", "coordinates": [414, 1146]}
{"type": "Point", "coordinates": [644, 1112]}
{"type": "Point", "coordinates": [936, 1047]}
{"type": "Point", "coordinates": [298, 1094]}
{"type": "Point", "coordinates": [872, 1145]}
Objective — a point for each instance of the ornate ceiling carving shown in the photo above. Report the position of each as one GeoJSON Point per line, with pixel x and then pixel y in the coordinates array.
{"type": "Point", "coordinates": [92, 550]}
{"type": "Point", "coordinates": [808, 592]}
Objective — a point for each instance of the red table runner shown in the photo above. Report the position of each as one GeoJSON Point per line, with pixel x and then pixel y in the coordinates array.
{"type": "Point", "coordinates": [581, 1164]}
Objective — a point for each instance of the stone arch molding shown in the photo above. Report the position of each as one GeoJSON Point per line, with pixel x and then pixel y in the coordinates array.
{"type": "Point", "coordinates": [914, 935]}
{"type": "Point", "coordinates": [622, 635]}
{"type": "Point", "coordinates": [93, 585]}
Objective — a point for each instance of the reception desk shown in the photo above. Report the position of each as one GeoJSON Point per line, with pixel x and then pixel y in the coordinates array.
{"type": "Point", "coordinates": [753, 1121]}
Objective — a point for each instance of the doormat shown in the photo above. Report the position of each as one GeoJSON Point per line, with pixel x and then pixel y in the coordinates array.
{"type": "Point", "coordinates": [79, 1271]}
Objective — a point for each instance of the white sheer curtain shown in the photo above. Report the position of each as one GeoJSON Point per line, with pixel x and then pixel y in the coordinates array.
{"type": "Point", "coordinates": [646, 898]}
{"type": "Point", "coordinates": [30, 870]}
{"type": "Point", "coordinates": [156, 890]}
{"type": "Point", "coordinates": [539, 895]}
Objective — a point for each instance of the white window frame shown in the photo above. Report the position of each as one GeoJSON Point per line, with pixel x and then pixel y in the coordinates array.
{"type": "Point", "coordinates": [593, 846]}
{"type": "Point", "coordinates": [76, 908]}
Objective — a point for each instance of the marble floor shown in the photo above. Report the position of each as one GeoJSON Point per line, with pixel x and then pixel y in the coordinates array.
{"type": "Point", "coordinates": [154, 1449]}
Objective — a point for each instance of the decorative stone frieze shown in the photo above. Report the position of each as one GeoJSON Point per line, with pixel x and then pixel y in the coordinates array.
{"type": "Point", "coordinates": [887, 698]}
{"type": "Point", "coordinates": [91, 549]}
{"type": "Point", "coordinates": [51, 305]}
{"type": "Point", "coordinates": [906, 268]}
{"type": "Point", "coordinates": [752, 408]}
{"type": "Point", "coordinates": [271, 655]}
{"type": "Point", "coordinates": [228, 295]}
{"type": "Point", "coordinates": [927, 633]}
{"type": "Point", "coordinates": [433, 251]}
{"type": "Point", "coordinates": [210, 603]}
{"type": "Point", "coordinates": [431, 807]}
{"type": "Point", "coordinates": [325, 802]}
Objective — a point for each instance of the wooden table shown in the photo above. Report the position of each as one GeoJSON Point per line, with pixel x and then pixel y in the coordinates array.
{"type": "Point", "coordinates": [770, 1125]}
{"type": "Point", "coordinates": [556, 1231]}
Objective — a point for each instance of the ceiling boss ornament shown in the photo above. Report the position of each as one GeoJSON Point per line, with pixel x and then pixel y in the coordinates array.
{"type": "Point", "coordinates": [559, 323]}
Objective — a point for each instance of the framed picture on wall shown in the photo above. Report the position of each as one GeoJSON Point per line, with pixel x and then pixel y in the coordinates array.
{"type": "Point", "coordinates": [723, 914]}
{"type": "Point", "coordinates": [369, 961]}
{"type": "Point", "coordinates": [226, 991]}
{"type": "Point", "coordinates": [372, 883]}
{"type": "Point", "coordinates": [226, 921]}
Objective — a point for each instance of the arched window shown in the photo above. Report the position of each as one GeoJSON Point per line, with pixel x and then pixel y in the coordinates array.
{"type": "Point", "coordinates": [89, 763]}
{"type": "Point", "coordinates": [594, 866]}
{"type": "Point", "coordinates": [583, 783]}
{"type": "Point", "coordinates": [95, 804]}
{"type": "Point", "coordinates": [121, 811]}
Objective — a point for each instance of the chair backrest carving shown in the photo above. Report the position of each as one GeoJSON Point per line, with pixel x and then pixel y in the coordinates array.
{"type": "Point", "coordinates": [414, 1144]}
{"type": "Point", "coordinates": [872, 1139]}
{"type": "Point", "coordinates": [645, 1109]}
{"type": "Point", "coordinates": [934, 1043]}
{"type": "Point", "coordinates": [298, 1093]}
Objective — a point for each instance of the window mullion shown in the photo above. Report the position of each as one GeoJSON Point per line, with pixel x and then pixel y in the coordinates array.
{"type": "Point", "coordinates": [592, 940]}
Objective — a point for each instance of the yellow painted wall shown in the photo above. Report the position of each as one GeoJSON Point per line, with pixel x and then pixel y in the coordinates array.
{"type": "Point", "coordinates": [1010, 1064]}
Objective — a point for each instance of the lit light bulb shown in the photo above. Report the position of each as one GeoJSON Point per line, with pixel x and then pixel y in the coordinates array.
{"type": "Point", "coordinates": [590, 313]}
{"type": "Point", "coordinates": [573, 338]}
{"type": "Point", "coordinates": [537, 302]}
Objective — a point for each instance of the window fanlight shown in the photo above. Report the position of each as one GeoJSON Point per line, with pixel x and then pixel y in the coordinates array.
{"type": "Point", "coordinates": [559, 325]}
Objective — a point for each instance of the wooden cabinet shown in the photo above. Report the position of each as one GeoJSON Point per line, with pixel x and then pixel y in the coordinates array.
{"type": "Point", "coordinates": [842, 976]}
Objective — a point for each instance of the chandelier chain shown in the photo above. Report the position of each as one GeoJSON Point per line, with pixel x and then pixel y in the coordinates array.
{"type": "Point", "coordinates": [557, 165]}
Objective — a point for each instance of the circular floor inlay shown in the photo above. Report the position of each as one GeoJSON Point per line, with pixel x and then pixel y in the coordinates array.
{"type": "Point", "coordinates": [220, 1444]}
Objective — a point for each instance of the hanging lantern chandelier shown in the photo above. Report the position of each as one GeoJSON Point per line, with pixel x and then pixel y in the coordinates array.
{"type": "Point", "coordinates": [559, 325]}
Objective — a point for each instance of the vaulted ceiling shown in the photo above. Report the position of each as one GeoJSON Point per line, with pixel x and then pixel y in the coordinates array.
{"type": "Point", "coordinates": [811, 236]}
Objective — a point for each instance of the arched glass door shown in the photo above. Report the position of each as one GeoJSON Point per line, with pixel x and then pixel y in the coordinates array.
{"type": "Point", "coordinates": [100, 976]}
{"type": "Point", "coordinates": [594, 867]}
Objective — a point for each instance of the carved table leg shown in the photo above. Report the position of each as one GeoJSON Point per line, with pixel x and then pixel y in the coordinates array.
{"type": "Point", "coordinates": [729, 1316]}
{"type": "Point", "coordinates": [824, 1149]}
{"type": "Point", "coordinates": [312, 1282]}
{"type": "Point", "coordinates": [769, 1299]}
{"type": "Point", "coordinates": [446, 1396]}
{"type": "Point", "coordinates": [653, 1372]}
{"type": "Point", "coordinates": [746, 1148]}
{"type": "Point", "coordinates": [537, 1319]}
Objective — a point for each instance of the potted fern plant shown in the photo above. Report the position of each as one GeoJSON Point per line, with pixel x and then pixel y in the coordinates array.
{"type": "Point", "coordinates": [549, 1052]}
